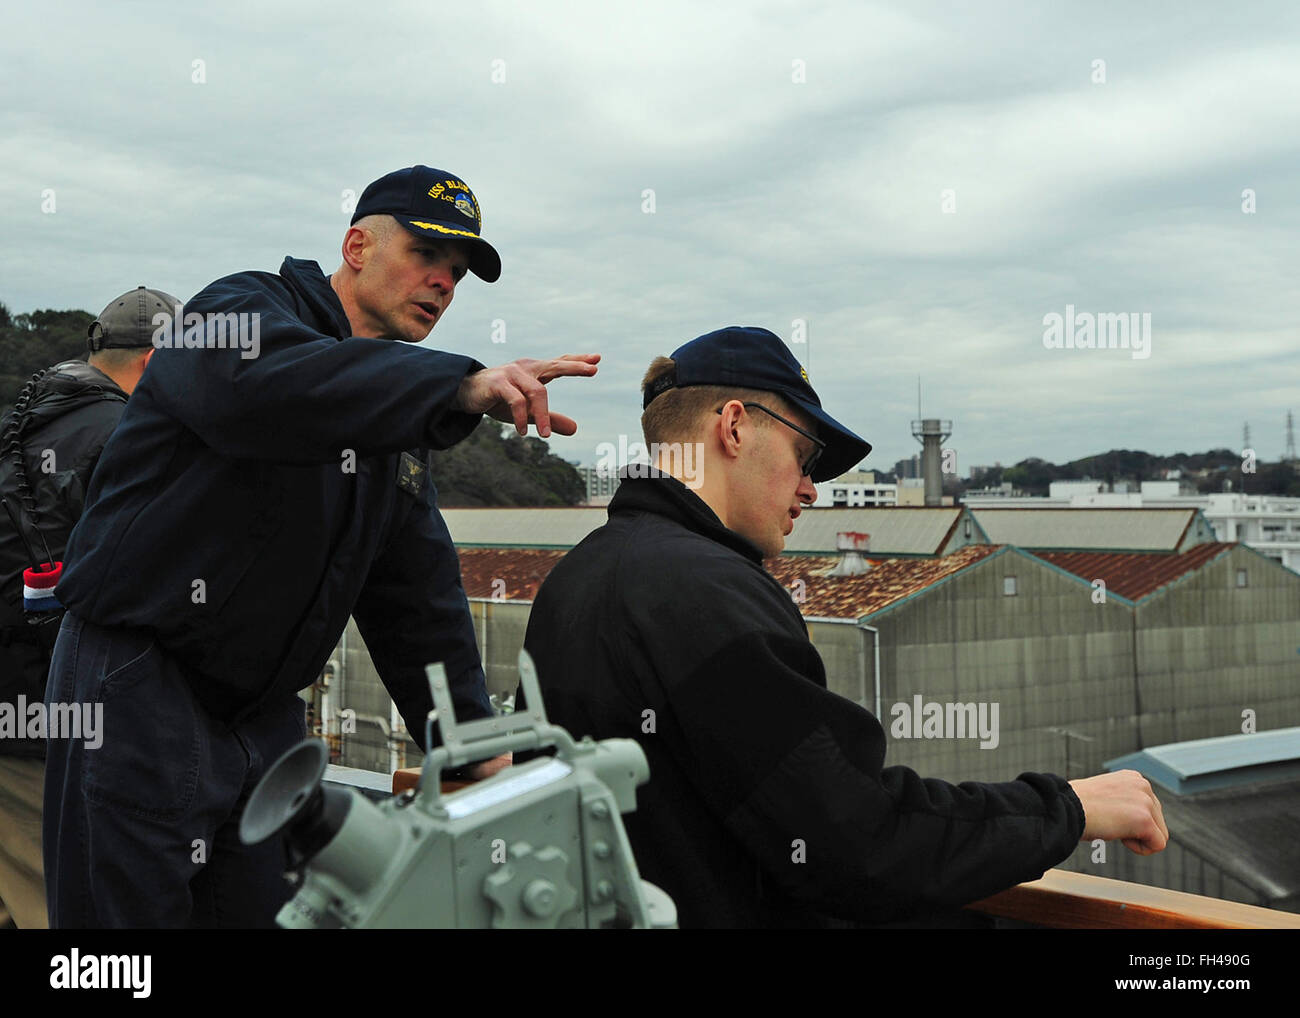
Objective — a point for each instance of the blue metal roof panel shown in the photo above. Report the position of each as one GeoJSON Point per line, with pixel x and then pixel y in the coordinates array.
{"type": "Point", "coordinates": [1221, 762]}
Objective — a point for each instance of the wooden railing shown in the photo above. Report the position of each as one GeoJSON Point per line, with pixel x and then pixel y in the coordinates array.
{"type": "Point", "coordinates": [409, 777]}
{"type": "Point", "coordinates": [1064, 900]}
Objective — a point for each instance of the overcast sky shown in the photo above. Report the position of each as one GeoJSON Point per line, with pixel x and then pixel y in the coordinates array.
{"type": "Point", "coordinates": [921, 184]}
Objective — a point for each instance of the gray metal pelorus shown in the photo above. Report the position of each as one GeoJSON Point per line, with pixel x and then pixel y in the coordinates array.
{"type": "Point", "coordinates": [538, 845]}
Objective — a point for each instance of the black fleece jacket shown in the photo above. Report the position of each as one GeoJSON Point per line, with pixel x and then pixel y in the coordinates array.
{"type": "Point", "coordinates": [768, 802]}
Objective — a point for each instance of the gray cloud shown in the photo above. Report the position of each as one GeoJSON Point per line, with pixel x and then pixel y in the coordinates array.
{"type": "Point", "coordinates": [775, 201]}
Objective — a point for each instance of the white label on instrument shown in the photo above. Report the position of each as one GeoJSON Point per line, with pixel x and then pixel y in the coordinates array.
{"type": "Point", "coordinates": [471, 800]}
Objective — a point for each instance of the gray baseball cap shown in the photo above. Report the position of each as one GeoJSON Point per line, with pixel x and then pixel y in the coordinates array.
{"type": "Point", "coordinates": [128, 320]}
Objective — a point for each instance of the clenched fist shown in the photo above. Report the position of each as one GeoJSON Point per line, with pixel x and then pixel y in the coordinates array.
{"type": "Point", "coordinates": [1122, 806]}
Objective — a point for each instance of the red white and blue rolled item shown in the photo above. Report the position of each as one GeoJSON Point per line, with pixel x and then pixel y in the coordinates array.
{"type": "Point", "coordinates": [38, 588]}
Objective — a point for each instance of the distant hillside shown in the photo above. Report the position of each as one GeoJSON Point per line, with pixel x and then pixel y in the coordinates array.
{"type": "Point", "coordinates": [488, 469]}
{"type": "Point", "coordinates": [1209, 471]}
{"type": "Point", "coordinates": [34, 341]}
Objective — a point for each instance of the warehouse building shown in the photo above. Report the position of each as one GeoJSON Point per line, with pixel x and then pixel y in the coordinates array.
{"type": "Point", "coordinates": [1232, 805]}
{"type": "Point", "coordinates": [1089, 656]}
{"type": "Point", "coordinates": [983, 660]}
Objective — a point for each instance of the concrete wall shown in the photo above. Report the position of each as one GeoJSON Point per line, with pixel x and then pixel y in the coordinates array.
{"type": "Point", "coordinates": [1208, 649]}
{"type": "Point", "coordinates": [1048, 656]}
{"type": "Point", "coordinates": [357, 687]}
{"type": "Point", "coordinates": [846, 652]}
{"type": "Point", "coordinates": [499, 628]}
{"type": "Point", "coordinates": [1183, 664]}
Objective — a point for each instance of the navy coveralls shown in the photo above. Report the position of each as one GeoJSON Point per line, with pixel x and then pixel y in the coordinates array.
{"type": "Point", "coordinates": [266, 481]}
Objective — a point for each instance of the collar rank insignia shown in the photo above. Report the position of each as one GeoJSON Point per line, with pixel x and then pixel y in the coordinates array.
{"type": "Point", "coordinates": [410, 474]}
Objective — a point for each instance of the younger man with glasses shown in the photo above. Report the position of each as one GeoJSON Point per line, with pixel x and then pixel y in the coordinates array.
{"type": "Point", "coordinates": [768, 803]}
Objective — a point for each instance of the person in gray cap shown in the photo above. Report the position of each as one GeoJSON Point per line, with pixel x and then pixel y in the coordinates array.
{"type": "Point", "coordinates": [49, 445]}
{"type": "Point", "coordinates": [768, 803]}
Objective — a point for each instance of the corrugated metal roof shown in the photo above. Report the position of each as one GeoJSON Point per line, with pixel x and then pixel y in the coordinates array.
{"type": "Point", "coordinates": [1248, 831]}
{"type": "Point", "coordinates": [1133, 575]}
{"type": "Point", "coordinates": [1146, 530]}
{"type": "Point", "coordinates": [894, 531]}
{"type": "Point", "coordinates": [901, 530]}
{"type": "Point", "coordinates": [1205, 764]}
{"type": "Point", "coordinates": [526, 528]}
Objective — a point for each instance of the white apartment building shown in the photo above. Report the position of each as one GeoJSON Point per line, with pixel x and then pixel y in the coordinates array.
{"type": "Point", "coordinates": [1268, 523]}
{"type": "Point", "coordinates": [601, 484]}
{"type": "Point", "coordinates": [859, 489]}
{"type": "Point", "coordinates": [855, 490]}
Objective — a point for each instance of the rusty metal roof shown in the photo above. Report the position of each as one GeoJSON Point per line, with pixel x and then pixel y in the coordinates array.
{"type": "Point", "coordinates": [853, 597]}
{"type": "Point", "coordinates": [515, 574]}
{"type": "Point", "coordinates": [506, 574]}
{"type": "Point", "coordinates": [1133, 575]}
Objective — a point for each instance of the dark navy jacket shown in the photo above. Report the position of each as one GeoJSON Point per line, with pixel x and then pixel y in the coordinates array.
{"type": "Point", "coordinates": [246, 506]}
{"type": "Point", "coordinates": [768, 804]}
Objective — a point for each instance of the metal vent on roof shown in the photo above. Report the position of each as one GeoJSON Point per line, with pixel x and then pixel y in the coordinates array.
{"type": "Point", "coordinates": [853, 548]}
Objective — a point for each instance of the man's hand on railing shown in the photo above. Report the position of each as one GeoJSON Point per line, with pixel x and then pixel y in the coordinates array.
{"type": "Point", "coordinates": [489, 767]}
{"type": "Point", "coordinates": [1122, 806]}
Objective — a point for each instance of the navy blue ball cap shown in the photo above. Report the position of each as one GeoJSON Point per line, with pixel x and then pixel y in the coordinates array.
{"type": "Point", "coordinates": [433, 204]}
{"type": "Point", "coordinates": [753, 358]}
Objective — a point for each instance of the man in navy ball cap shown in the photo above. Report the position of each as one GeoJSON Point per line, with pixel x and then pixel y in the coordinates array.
{"type": "Point", "coordinates": [751, 358]}
{"type": "Point", "coordinates": [768, 803]}
{"type": "Point", "coordinates": [433, 204]}
{"type": "Point", "coordinates": [262, 488]}
{"type": "Point", "coordinates": [740, 398]}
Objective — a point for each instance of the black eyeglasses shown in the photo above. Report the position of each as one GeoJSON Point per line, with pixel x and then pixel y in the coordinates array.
{"type": "Point", "coordinates": [808, 465]}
